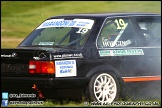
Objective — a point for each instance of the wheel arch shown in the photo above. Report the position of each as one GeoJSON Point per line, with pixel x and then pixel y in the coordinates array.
{"type": "Point", "coordinates": [107, 69]}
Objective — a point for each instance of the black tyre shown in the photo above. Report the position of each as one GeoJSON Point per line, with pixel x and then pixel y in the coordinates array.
{"type": "Point", "coordinates": [103, 87]}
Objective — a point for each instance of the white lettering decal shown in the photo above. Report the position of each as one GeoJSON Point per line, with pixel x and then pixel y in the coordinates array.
{"type": "Point", "coordinates": [81, 23]}
{"type": "Point", "coordinates": [121, 52]}
{"type": "Point", "coordinates": [107, 43]}
{"type": "Point", "coordinates": [68, 56]}
{"type": "Point", "coordinates": [82, 30]}
{"type": "Point", "coordinates": [46, 43]}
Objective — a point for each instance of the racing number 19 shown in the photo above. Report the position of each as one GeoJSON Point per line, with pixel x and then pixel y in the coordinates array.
{"type": "Point", "coordinates": [120, 24]}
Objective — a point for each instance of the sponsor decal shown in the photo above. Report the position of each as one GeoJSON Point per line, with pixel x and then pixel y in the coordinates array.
{"type": "Point", "coordinates": [65, 68]}
{"type": "Point", "coordinates": [9, 55]}
{"type": "Point", "coordinates": [80, 23]}
{"type": "Point", "coordinates": [68, 56]}
{"type": "Point", "coordinates": [107, 43]}
{"type": "Point", "coordinates": [46, 43]}
{"type": "Point", "coordinates": [122, 52]}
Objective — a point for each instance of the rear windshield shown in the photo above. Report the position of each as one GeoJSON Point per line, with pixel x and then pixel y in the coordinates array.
{"type": "Point", "coordinates": [60, 32]}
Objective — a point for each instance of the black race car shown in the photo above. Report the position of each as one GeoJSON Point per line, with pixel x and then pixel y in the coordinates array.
{"type": "Point", "coordinates": [100, 56]}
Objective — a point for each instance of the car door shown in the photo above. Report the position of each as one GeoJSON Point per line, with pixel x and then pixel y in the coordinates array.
{"type": "Point", "coordinates": [123, 47]}
{"type": "Point", "coordinates": [150, 27]}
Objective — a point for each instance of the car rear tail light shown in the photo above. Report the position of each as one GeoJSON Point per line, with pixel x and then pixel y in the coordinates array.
{"type": "Point", "coordinates": [41, 67]}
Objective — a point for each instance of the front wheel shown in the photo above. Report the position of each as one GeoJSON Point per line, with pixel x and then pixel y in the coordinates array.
{"type": "Point", "coordinates": [104, 87]}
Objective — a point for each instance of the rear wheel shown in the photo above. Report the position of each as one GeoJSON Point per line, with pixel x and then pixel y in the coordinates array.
{"type": "Point", "coordinates": [104, 87]}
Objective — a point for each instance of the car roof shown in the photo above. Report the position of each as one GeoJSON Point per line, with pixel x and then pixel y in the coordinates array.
{"type": "Point", "coordinates": [104, 15]}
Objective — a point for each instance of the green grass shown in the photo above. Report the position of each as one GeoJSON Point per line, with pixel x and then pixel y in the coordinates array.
{"type": "Point", "coordinates": [7, 45]}
{"type": "Point", "coordinates": [19, 18]}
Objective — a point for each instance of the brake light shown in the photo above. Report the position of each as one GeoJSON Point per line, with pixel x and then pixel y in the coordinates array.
{"type": "Point", "coordinates": [41, 67]}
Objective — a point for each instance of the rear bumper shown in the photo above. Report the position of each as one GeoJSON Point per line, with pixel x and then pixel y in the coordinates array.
{"type": "Point", "coordinates": [52, 88]}
{"type": "Point", "coordinates": [74, 82]}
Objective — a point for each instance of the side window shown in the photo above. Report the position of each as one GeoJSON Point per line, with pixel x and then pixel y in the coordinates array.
{"type": "Point", "coordinates": [151, 29]}
{"type": "Point", "coordinates": [116, 32]}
